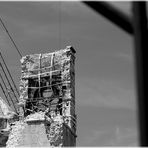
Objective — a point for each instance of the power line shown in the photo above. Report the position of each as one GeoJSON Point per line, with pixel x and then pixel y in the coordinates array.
{"type": "Point", "coordinates": [6, 88]}
{"type": "Point", "coordinates": [9, 73]}
{"type": "Point", "coordinates": [8, 81]}
{"type": "Point", "coordinates": [5, 94]}
{"type": "Point", "coordinates": [10, 37]}
{"type": "Point", "coordinates": [8, 92]}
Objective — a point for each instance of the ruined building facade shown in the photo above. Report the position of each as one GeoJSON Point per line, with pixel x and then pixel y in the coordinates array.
{"type": "Point", "coordinates": [47, 101]}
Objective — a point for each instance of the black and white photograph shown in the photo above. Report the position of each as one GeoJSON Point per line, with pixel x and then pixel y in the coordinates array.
{"type": "Point", "coordinates": [73, 73]}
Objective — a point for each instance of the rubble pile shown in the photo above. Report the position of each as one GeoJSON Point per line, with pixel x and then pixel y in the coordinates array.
{"type": "Point", "coordinates": [18, 129]}
{"type": "Point", "coordinates": [53, 127]}
{"type": "Point", "coordinates": [15, 134]}
{"type": "Point", "coordinates": [54, 131]}
{"type": "Point", "coordinates": [7, 117]}
{"type": "Point", "coordinates": [55, 134]}
{"type": "Point", "coordinates": [36, 116]}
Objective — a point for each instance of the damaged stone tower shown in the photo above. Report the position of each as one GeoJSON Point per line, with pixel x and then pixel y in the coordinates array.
{"type": "Point", "coordinates": [47, 101]}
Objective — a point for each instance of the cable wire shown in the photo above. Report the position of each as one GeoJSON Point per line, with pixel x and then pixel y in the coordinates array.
{"type": "Point", "coordinates": [5, 94]}
{"type": "Point", "coordinates": [8, 81]}
{"type": "Point", "coordinates": [10, 37]}
{"type": "Point", "coordinates": [9, 73]}
{"type": "Point", "coordinates": [8, 92]}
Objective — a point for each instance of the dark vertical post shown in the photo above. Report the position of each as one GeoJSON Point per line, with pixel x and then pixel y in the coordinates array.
{"type": "Point", "coordinates": [141, 46]}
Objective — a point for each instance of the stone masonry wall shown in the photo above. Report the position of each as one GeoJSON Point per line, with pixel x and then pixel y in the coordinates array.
{"type": "Point", "coordinates": [47, 100]}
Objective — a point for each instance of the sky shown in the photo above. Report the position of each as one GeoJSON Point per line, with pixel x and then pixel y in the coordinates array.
{"type": "Point", "coordinates": [105, 78]}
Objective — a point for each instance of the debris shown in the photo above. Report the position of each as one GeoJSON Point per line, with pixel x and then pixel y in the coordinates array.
{"type": "Point", "coordinates": [15, 134]}
{"type": "Point", "coordinates": [36, 116]}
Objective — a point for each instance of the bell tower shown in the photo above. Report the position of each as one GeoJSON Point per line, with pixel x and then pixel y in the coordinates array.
{"type": "Point", "coordinates": [47, 99]}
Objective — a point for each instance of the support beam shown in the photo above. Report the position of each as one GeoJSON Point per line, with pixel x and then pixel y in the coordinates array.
{"type": "Point", "coordinates": [113, 14]}
{"type": "Point", "coordinates": [141, 47]}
